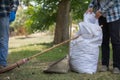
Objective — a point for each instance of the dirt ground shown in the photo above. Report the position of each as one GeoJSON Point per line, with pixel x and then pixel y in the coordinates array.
{"type": "Point", "coordinates": [18, 41]}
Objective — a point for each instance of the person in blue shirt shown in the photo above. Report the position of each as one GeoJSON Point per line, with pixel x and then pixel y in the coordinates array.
{"type": "Point", "coordinates": [8, 10]}
{"type": "Point", "coordinates": [108, 13]}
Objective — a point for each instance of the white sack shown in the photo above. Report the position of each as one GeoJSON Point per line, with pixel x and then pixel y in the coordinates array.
{"type": "Point", "coordinates": [84, 51]}
{"type": "Point", "coordinates": [90, 18]}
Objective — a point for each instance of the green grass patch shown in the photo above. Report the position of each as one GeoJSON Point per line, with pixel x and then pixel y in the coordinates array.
{"type": "Point", "coordinates": [30, 50]}
{"type": "Point", "coordinates": [33, 70]}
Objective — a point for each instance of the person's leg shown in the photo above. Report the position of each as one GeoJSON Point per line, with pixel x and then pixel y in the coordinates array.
{"type": "Point", "coordinates": [115, 39]}
{"type": "Point", "coordinates": [4, 37]}
{"type": "Point", "coordinates": [105, 42]}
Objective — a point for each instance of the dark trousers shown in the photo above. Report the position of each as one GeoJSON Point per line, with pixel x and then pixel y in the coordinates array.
{"type": "Point", "coordinates": [111, 32]}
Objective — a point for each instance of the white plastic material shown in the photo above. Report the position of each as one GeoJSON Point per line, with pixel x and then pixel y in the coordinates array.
{"type": "Point", "coordinates": [84, 51]}
{"type": "Point", "coordinates": [90, 18]}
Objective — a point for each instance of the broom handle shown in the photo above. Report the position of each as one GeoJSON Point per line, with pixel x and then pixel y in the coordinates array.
{"type": "Point", "coordinates": [29, 58]}
{"type": "Point", "coordinates": [20, 62]}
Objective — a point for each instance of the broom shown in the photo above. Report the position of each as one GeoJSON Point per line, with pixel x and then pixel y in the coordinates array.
{"type": "Point", "coordinates": [25, 60]}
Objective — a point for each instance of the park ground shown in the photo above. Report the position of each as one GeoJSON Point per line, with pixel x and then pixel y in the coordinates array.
{"type": "Point", "coordinates": [21, 47]}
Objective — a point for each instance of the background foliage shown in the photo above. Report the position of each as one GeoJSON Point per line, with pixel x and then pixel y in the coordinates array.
{"type": "Point", "coordinates": [42, 14]}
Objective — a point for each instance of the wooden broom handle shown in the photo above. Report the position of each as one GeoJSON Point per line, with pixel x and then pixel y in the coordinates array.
{"type": "Point", "coordinates": [52, 47]}
{"type": "Point", "coordinates": [55, 46]}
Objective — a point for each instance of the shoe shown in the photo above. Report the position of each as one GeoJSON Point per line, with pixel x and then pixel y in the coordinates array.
{"type": "Point", "coordinates": [104, 68]}
{"type": "Point", "coordinates": [116, 70]}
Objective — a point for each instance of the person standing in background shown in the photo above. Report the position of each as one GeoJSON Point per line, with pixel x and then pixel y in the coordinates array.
{"type": "Point", "coordinates": [108, 13]}
{"type": "Point", "coordinates": [8, 10]}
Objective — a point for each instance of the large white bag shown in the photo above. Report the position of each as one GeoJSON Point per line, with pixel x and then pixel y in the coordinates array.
{"type": "Point", "coordinates": [84, 51]}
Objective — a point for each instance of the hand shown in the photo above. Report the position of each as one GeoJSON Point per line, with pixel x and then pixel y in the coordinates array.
{"type": "Point", "coordinates": [98, 14]}
{"type": "Point", "coordinates": [12, 16]}
{"type": "Point", "coordinates": [89, 10]}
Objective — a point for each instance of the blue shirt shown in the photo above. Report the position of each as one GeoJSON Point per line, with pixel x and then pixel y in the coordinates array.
{"type": "Point", "coordinates": [8, 5]}
{"type": "Point", "coordinates": [111, 9]}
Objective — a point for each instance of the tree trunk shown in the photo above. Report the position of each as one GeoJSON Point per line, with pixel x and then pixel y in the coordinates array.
{"type": "Point", "coordinates": [62, 22]}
